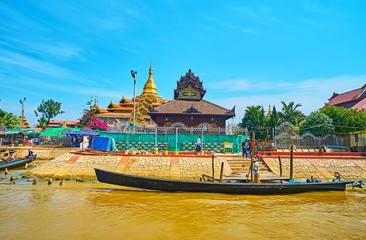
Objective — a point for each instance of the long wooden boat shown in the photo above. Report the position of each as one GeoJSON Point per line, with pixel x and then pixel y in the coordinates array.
{"type": "Point", "coordinates": [215, 187]}
{"type": "Point", "coordinates": [16, 163]}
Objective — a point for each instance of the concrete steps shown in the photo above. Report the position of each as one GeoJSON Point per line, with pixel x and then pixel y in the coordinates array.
{"type": "Point", "coordinates": [238, 164]}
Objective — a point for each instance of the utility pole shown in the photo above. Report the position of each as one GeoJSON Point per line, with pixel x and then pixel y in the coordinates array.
{"type": "Point", "coordinates": [21, 117]}
{"type": "Point", "coordinates": [134, 73]}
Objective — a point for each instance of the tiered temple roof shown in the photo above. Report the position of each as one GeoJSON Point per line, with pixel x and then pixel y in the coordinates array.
{"type": "Point", "coordinates": [188, 108]}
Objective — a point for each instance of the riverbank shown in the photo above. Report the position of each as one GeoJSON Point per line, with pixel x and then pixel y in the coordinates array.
{"type": "Point", "coordinates": [70, 163]}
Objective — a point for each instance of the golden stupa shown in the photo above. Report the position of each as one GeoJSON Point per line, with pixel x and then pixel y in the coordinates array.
{"type": "Point", "coordinates": [123, 111]}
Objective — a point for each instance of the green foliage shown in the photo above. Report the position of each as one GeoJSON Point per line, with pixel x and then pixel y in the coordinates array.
{"type": "Point", "coordinates": [255, 120]}
{"type": "Point", "coordinates": [319, 124]}
{"type": "Point", "coordinates": [48, 110]}
{"type": "Point", "coordinates": [291, 114]}
{"type": "Point", "coordinates": [274, 119]}
{"type": "Point", "coordinates": [9, 120]}
{"type": "Point", "coordinates": [345, 120]}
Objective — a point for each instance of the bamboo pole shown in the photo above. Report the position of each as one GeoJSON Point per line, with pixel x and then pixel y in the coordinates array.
{"type": "Point", "coordinates": [213, 166]}
{"type": "Point", "coordinates": [222, 171]}
{"type": "Point", "coordinates": [252, 158]}
{"type": "Point", "coordinates": [291, 161]}
{"type": "Point", "coordinates": [279, 161]}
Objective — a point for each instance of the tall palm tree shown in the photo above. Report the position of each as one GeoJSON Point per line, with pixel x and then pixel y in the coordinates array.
{"type": "Point", "coordinates": [291, 114]}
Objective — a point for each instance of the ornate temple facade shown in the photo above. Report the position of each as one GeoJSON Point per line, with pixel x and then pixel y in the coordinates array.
{"type": "Point", "coordinates": [118, 114]}
{"type": "Point", "coordinates": [189, 109]}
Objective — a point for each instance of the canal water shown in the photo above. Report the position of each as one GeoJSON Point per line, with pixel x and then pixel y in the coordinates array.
{"type": "Point", "coordinates": [92, 210]}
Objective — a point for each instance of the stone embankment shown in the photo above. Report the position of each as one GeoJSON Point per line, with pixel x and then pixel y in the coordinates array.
{"type": "Point", "coordinates": [43, 153]}
{"type": "Point", "coordinates": [82, 164]}
{"type": "Point", "coordinates": [321, 166]}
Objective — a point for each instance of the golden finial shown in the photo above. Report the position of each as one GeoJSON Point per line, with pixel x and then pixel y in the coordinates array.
{"type": "Point", "coordinates": [149, 87]}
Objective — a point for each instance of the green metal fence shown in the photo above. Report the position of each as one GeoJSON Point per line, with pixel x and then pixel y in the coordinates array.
{"type": "Point", "coordinates": [179, 141]}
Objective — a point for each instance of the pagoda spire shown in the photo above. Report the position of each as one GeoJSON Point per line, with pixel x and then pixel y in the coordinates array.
{"type": "Point", "coordinates": [149, 87]}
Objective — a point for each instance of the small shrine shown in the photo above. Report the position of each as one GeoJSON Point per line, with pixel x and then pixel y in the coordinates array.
{"type": "Point", "coordinates": [189, 109]}
{"type": "Point", "coordinates": [122, 112]}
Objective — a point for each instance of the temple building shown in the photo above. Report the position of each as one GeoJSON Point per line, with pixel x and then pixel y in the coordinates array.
{"type": "Point", "coordinates": [355, 99]}
{"type": "Point", "coordinates": [189, 109]}
{"type": "Point", "coordinates": [122, 112]}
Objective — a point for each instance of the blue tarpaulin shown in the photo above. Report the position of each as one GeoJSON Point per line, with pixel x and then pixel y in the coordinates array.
{"type": "Point", "coordinates": [104, 143]}
{"type": "Point", "coordinates": [80, 133]}
{"type": "Point", "coordinates": [100, 143]}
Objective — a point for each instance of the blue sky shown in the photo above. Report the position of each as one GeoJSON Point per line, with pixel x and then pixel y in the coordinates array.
{"type": "Point", "coordinates": [245, 52]}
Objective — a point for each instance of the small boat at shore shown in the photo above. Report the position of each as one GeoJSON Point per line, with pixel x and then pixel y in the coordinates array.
{"type": "Point", "coordinates": [16, 163]}
{"type": "Point", "coordinates": [172, 185]}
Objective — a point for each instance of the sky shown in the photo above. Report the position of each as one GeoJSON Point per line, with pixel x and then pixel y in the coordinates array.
{"type": "Point", "coordinates": [245, 52]}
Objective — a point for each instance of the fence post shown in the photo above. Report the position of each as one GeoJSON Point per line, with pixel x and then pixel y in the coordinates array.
{"type": "Point", "coordinates": [176, 141]}
{"type": "Point", "coordinates": [166, 138]}
{"type": "Point", "coordinates": [128, 145]}
{"type": "Point", "coordinates": [156, 141]}
{"type": "Point", "coordinates": [291, 161]}
{"type": "Point", "coordinates": [202, 141]}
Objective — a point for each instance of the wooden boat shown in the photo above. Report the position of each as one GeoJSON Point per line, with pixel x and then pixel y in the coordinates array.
{"type": "Point", "coordinates": [16, 163]}
{"type": "Point", "coordinates": [215, 187]}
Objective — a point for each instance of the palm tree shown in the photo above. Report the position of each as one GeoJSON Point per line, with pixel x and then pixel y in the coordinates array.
{"type": "Point", "coordinates": [291, 114]}
{"type": "Point", "coordinates": [9, 120]}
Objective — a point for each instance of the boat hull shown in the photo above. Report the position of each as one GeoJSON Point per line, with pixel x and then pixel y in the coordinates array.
{"type": "Point", "coordinates": [16, 163]}
{"type": "Point", "coordinates": [215, 187]}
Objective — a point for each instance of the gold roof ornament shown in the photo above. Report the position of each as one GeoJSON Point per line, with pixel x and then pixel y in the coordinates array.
{"type": "Point", "coordinates": [269, 111]}
{"type": "Point", "coordinates": [150, 87]}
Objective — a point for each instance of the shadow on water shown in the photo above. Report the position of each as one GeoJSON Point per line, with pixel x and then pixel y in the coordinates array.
{"type": "Point", "coordinates": [113, 196]}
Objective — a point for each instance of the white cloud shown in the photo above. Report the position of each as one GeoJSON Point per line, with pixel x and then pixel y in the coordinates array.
{"type": "Point", "coordinates": [237, 84]}
{"type": "Point", "coordinates": [311, 93]}
{"type": "Point", "coordinates": [42, 67]}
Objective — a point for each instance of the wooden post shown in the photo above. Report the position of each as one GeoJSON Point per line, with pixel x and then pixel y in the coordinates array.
{"type": "Point", "coordinates": [222, 171]}
{"type": "Point", "coordinates": [213, 166]}
{"type": "Point", "coordinates": [279, 160]}
{"type": "Point", "coordinates": [252, 158]}
{"type": "Point", "coordinates": [291, 161]}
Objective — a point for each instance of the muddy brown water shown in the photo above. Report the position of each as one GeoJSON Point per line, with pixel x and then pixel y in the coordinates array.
{"type": "Point", "coordinates": [92, 210]}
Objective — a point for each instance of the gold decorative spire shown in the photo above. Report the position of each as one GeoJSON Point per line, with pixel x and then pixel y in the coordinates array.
{"type": "Point", "coordinates": [150, 87]}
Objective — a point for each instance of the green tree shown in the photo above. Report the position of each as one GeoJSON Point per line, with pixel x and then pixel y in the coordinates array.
{"type": "Point", "coordinates": [9, 120]}
{"type": "Point", "coordinates": [291, 114]}
{"type": "Point", "coordinates": [319, 124]}
{"type": "Point", "coordinates": [274, 119]}
{"type": "Point", "coordinates": [345, 120]}
{"type": "Point", "coordinates": [48, 110]}
{"type": "Point", "coordinates": [255, 120]}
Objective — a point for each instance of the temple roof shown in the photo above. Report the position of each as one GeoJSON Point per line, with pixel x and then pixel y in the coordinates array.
{"type": "Point", "coordinates": [192, 107]}
{"type": "Point", "coordinates": [113, 114]}
{"type": "Point", "coordinates": [113, 105]}
{"type": "Point", "coordinates": [350, 99]}
{"type": "Point", "coordinates": [125, 100]}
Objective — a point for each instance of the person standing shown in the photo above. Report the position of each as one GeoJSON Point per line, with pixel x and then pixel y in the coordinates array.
{"type": "Point", "coordinates": [245, 148]}
{"type": "Point", "coordinates": [198, 146]}
{"type": "Point", "coordinates": [256, 171]}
